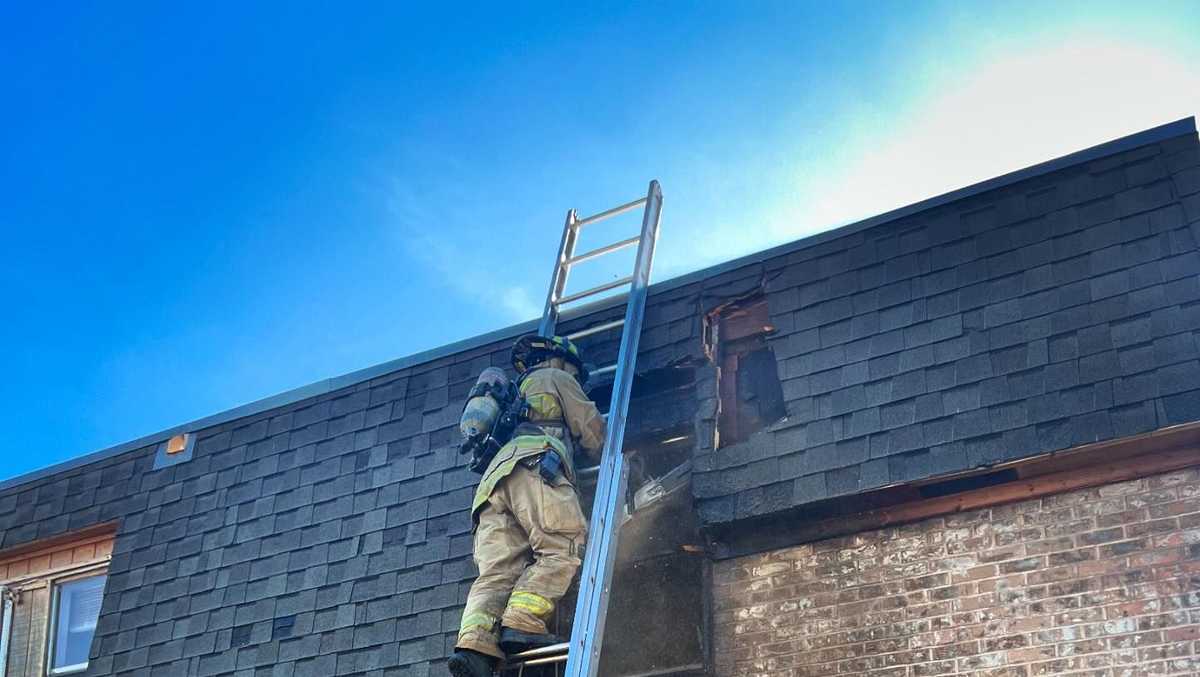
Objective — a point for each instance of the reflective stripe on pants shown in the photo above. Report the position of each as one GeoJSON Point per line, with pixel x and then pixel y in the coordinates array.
{"type": "Point", "coordinates": [525, 519]}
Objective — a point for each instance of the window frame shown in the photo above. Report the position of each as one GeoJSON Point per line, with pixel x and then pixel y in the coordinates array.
{"type": "Point", "coordinates": [6, 618]}
{"type": "Point", "coordinates": [56, 583]}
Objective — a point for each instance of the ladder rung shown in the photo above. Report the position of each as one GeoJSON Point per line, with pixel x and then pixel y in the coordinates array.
{"type": "Point", "coordinates": [590, 307]}
{"type": "Point", "coordinates": [596, 329]}
{"type": "Point", "coordinates": [611, 212]}
{"type": "Point", "coordinates": [595, 290]}
{"type": "Point", "coordinates": [545, 661]}
{"type": "Point", "coordinates": [604, 370]}
{"type": "Point", "coordinates": [542, 651]}
{"type": "Point", "coordinates": [601, 251]}
{"type": "Point", "coordinates": [555, 653]}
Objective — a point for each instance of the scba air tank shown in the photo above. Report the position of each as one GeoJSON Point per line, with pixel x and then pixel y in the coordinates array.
{"type": "Point", "coordinates": [486, 404]}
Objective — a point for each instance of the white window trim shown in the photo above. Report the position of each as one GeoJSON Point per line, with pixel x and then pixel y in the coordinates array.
{"type": "Point", "coordinates": [55, 582]}
{"type": "Point", "coordinates": [6, 615]}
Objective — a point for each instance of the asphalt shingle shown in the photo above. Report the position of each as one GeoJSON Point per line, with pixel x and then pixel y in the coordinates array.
{"type": "Point", "coordinates": [330, 536]}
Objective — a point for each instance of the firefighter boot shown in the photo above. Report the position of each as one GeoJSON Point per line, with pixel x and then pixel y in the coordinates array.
{"type": "Point", "coordinates": [467, 663]}
{"type": "Point", "coordinates": [515, 641]}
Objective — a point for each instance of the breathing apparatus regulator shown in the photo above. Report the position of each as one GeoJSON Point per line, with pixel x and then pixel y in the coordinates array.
{"type": "Point", "coordinates": [494, 406]}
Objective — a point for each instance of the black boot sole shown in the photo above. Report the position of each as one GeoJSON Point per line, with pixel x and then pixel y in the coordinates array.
{"type": "Point", "coordinates": [463, 667]}
{"type": "Point", "coordinates": [515, 641]}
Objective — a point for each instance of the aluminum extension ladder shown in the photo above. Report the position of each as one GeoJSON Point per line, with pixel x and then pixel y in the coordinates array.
{"type": "Point", "coordinates": [582, 652]}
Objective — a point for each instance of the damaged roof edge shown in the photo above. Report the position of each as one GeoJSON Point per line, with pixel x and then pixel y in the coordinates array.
{"type": "Point", "coordinates": [1153, 135]}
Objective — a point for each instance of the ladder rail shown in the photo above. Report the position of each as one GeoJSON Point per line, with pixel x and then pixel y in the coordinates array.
{"type": "Point", "coordinates": [582, 653]}
{"type": "Point", "coordinates": [567, 258]}
{"type": "Point", "coordinates": [587, 635]}
{"type": "Point", "coordinates": [558, 279]}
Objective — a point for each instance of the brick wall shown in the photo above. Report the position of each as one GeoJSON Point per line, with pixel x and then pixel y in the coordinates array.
{"type": "Point", "coordinates": [1096, 582]}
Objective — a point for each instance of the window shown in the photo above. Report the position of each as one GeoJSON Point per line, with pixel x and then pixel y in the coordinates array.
{"type": "Point", "coordinates": [76, 609]}
{"type": "Point", "coordinates": [6, 616]}
{"type": "Point", "coordinates": [53, 590]}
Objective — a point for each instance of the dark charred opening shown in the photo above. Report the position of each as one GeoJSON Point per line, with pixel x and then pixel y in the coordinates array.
{"type": "Point", "coordinates": [656, 615]}
{"type": "Point", "coordinates": [656, 609]}
{"type": "Point", "coordinates": [655, 382]}
{"type": "Point", "coordinates": [954, 486]}
{"type": "Point", "coordinates": [658, 432]}
{"type": "Point", "coordinates": [748, 386]}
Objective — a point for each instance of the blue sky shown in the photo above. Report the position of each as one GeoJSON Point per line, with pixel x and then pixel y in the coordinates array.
{"type": "Point", "coordinates": [203, 206]}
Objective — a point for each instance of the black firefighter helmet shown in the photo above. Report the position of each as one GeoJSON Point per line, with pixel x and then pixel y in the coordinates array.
{"type": "Point", "coordinates": [529, 351]}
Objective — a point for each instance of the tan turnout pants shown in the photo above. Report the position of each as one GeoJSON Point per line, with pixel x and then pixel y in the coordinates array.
{"type": "Point", "coordinates": [527, 547]}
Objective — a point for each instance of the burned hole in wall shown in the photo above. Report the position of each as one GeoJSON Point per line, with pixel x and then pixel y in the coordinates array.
{"type": "Point", "coordinates": [748, 385]}
{"type": "Point", "coordinates": [658, 429]}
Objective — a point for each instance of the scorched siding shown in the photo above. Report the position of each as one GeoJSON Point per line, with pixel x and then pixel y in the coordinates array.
{"type": "Point", "coordinates": [330, 535]}
{"type": "Point", "coordinates": [1043, 315]}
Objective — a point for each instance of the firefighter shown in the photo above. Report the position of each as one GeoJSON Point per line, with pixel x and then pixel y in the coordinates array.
{"type": "Point", "coordinates": [529, 527]}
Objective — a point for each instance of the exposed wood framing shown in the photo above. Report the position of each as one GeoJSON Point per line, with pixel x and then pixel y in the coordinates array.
{"type": "Point", "coordinates": [749, 392]}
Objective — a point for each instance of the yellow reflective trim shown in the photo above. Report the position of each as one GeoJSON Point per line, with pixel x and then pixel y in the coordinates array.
{"type": "Point", "coordinates": [506, 460]}
{"type": "Point", "coordinates": [478, 619]}
{"type": "Point", "coordinates": [543, 407]}
{"type": "Point", "coordinates": [533, 603]}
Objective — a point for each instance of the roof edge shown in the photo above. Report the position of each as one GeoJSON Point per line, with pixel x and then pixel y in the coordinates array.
{"type": "Point", "coordinates": [1153, 135]}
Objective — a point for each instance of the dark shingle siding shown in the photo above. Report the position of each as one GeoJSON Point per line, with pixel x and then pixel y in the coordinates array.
{"type": "Point", "coordinates": [330, 535]}
{"type": "Point", "coordinates": [1050, 313]}
{"type": "Point", "coordinates": [342, 517]}
{"type": "Point", "coordinates": [280, 519]}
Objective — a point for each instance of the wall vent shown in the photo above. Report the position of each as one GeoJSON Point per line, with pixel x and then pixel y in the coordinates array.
{"type": "Point", "coordinates": [174, 451]}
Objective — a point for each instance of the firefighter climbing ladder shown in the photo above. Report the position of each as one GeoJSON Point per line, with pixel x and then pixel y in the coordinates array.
{"type": "Point", "coordinates": [582, 653]}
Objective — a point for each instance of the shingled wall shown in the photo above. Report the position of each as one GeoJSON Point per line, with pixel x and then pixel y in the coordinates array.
{"type": "Point", "coordinates": [326, 537]}
{"type": "Point", "coordinates": [1043, 315]}
{"type": "Point", "coordinates": [329, 536]}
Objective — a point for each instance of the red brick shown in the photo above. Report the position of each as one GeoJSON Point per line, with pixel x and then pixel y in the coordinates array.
{"type": "Point", "coordinates": [1190, 632]}
{"type": "Point", "coordinates": [1152, 527]}
{"type": "Point", "coordinates": [1152, 497]}
{"type": "Point", "coordinates": [1190, 476]}
{"type": "Point", "coordinates": [1119, 518]}
{"type": "Point", "coordinates": [1100, 567]}
{"type": "Point", "coordinates": [935, 668]}
{"type": "Point", "coordinates": [1102, 536]}
{"type": "Point", "coordinates": [1095, 582]}
{"type": "Point", "coordinates": [1184, 507]}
